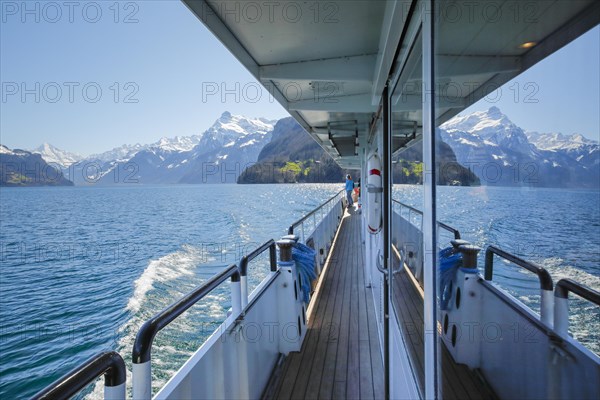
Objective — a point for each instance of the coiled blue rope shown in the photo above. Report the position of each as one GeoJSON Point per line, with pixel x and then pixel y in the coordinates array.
{"type": "Point", "coordinates": [304, 257]}
{"type": "Point", "coordinates": [450, 262]}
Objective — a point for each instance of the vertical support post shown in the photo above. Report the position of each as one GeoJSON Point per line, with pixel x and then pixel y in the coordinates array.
{"type": "Point", "coordinates": [142, 380]}
{"type": "Point", "coordinates": [244, 291]}
{"type": "Point", "coordinates": [243, 281]}
{"type": "Point", "coordinates": [115, 392]}
{"type": "Point", "coordinates": [387, 242]}
{"type": "Point", "coordinates": [236, 295]}
{"type": "Point", "coordinates": [273, 258]}
{"type": "Point", "coordinates": [429, 210]}
{"type": "Point", "coordinates": [561, 315]}
{"type": "Point", "coordinates": [547, 307]}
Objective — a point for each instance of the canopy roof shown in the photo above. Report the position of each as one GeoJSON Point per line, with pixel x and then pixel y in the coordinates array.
{"type": "Point", "coordinates": [327, 62]}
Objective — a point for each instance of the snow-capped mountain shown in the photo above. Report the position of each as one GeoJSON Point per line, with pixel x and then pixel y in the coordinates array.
{"type": "Point", "coordinates": [578, 147]}
{"type": "Point", "coordinates": [121, 153]}
{"type": "Point", "coordinates": [558, 141]}
{"type": "Point", "coordinates": [24, 168]}
{"type": "Point", "coordinates": [501, 153]}
{"type": "Point", "coordinates": [227, 148]}
{"type": "Point", "coordinates": [229, 129]}
{"type": "Point", "coordinates": [57, 157]}
{"type": "Point", "coordinates": [217, 155]}
{"type": "Point", "coordinates": [127, 151]}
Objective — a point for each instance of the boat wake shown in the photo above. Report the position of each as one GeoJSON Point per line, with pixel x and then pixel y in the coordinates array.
{"type": "Point", "coordinates": [163, 281]}
{"type": "Point", "coordinates": [167, 268]}
{"type": "Point", "coordinates": [584, 316]}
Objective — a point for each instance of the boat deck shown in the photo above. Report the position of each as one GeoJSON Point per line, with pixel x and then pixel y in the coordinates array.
{"type": "Point", "coordinates": [340, 356]}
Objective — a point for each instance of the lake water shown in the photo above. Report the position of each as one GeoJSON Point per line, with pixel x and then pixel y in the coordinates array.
{"type": "Point", "coordinates": [82, 268]}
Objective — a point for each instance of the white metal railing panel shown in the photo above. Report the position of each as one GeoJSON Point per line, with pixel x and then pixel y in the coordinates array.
{"type": "Point", "coordinates": [238, 359]}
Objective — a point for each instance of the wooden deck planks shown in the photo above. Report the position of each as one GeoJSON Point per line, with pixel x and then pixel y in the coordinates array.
{"type": "Point", "coordinates": [353, 368]}
{"type": "Point", "coordinates": [340, 357]}
{"type": "Point", "coordinates": [366, 372]}
{"type": "Point", "coordinates": [333, 339]}
{"type": "Point", "coordinates": [326, 338]}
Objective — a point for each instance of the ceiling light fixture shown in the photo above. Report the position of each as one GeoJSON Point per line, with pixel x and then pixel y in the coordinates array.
{"type": "Point", "coordinates": [527, 45]}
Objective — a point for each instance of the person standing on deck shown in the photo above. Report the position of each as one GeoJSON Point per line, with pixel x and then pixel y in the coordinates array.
{"type": "Point", "coordinates": [349, 188]}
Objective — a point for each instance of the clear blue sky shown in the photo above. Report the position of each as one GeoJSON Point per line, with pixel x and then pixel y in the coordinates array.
{"type": "Point", "coordinates": [559, 94]}
{"type": "Point", "coordinates": [168, 55]}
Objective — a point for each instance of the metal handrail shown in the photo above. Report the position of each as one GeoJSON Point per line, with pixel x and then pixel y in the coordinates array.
{"type": "Point", "coordinates": [249, 257]}
{"type": "Point", "coordinates": [442, 225]}
{"type": "Point", "coordinates": [543, 275]}
{"type": "Point", "coordinates": [270, 245]}
{"type": "Point", "coordinates": [310, 214]}
{"type": "Point", "coordinates": [145, 336]}
{"type": "Point", "coordinates": [407, 206]}
{"type": "Point", "coordinates": [561, 305]}
{"type": "Point", "coordinates": [109, 363]}
{"type": "Point", "coordinates": [564, 286]}
{"type": "Point", "coordinates": [450, 229]}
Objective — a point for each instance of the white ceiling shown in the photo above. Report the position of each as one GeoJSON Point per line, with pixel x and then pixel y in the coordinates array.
{"type": "Point", "coordinates": [326, 62]}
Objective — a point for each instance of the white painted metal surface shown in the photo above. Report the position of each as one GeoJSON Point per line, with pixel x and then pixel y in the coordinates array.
{"type": "Point", "coordinates": [561, 316]}
{"type": "Point", "coordinates": [460, 330]}
{"type": "Point", "coordinates": [547, 307]}
{"type": "Point", "coordinates": [142, 380]}
{"type": "Point", "coordinates": [244, 291]}
{"type": "Point", "coordinates": [237, 359]}
{"type": "Point", "coordinates": [290, 316]}
{"type": "Point", "coordinates": [236, 298]}
{"type": "Point", "coordinates": [115, 392]}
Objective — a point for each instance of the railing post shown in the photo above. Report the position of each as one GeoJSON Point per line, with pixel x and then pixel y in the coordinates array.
{"type": "Point", "coordinates": [561, 304]}
{"type": "Point", "coordinates": [244, 281]}
{"type": "Point", "coordinates": [547, 307]}
{"type": "Point", "coordinates": [561, 315]}
{"type": "Point", "coordinates": [273, 258]}
{"type": "Point", "coordinates": [236, 295]}
{"type": "Point", "coordinates": [546, 286]}
{"type": "Point", "coordinates": [142, 380]}
{"type": "Point", "coordinates": [115, 392]}
{"type": "Point", "coordinates": [115, 385]}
